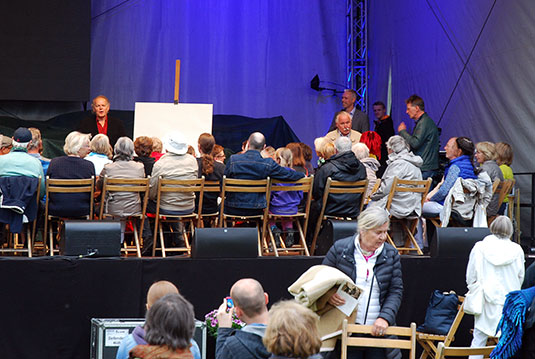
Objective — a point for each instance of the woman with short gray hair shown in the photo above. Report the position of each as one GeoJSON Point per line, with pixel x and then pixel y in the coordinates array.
{"type": "Point", "coordinates": [374, 266]}
{"type": "Point", "coordinates": [495, 268]}
{"type": "Point", "coordinates": [402, 164]}
{"type": "Point", "coordinates": [370, 163]}
{"type": "Point", "coordinates": [101, 152]}
{"type": "Point", "coordinates": [122, 204]}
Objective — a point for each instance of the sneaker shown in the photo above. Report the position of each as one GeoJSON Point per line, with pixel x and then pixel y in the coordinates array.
{"type": "Point", "coordinates": [289, 240]}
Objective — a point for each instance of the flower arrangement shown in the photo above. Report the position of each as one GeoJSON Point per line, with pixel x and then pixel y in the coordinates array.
{"type": "Point", "coordinates": [212, 323]}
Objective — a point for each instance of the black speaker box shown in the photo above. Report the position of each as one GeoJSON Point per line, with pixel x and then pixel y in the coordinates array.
{"type": "Point", "coordinates": [225, 243]}
{"type": "Point", "coordinates": [91, 238]}
{"type": "Point", "coordinates": [456, 242]}
{"type": "Point", "coordinates": [332, 231]}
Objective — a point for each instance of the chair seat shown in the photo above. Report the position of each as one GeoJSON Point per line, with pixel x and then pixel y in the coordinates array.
{"type": "Point", "coordinates": [429, 336]}
{"type": "Point", "coordinates": [191, 215]}
{"type": "Point", "coordinates": [298, 214]}
{"type": "Point", "coordinates": [243, 217]}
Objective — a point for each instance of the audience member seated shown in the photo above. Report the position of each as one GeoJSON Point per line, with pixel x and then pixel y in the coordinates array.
{"type": "Point", "coordinates": [343, 128]}
{"type": "Point", "coordinates": [71, 166]}
{"type": "Point", "coordinates": [298, 159]}
{"type": "Point", "coordinates": [486, 157]}
{"type": "Point", "coordinates": [504, 158]}
{"type": "Point", "coordinates": [370, 163]}
{"type": "Point", "coordinates": [35, 148]}
{"type": "Point", "coordinates": [19, 173]}
{"type": "Point", "coordinates": [5, 145]}
{"type": "Point", "coordinates": [176, 164]}
{"type": "Point", "coordinates": [101, 123]}
{"type": "Point", "coordinates": [251, 166]}
{"type": "Point", "coordinates": [307, 155]}
{"type": "Point", "coordinates": [143, 149]}
{"type": "Point", "coordinates": [405, 165]}
{"type": "Point", "coordinates": [343, 166]}
{"type": "Point", "coordinates": [250, 306]}
{"type": "Point", "coordinates": [268, 152]}
{"type": "Point", "coordinates": [319, 146]}
{"type": "Point", "coordinates": [157, 148]}
{"type": "Point", "coordinates": [292, 332]}
{"type": "Point", "coordinates": [460, 152]}
{"type": "Point", "coordinates": [169, 327]}
{"type": "Point", "coordinates": [101, 152]}
{"type": "Point", "coordinates": [219, 154]}
{"type": "Point", "coordinates": [122, 204]}
{"type": "Point", "coordinates": [285, 202]}
{"type": "Point", "coordinates": [211, 170]}
{"type": "Point", "coordinates": [495, 268]}
{"type": "Point", "coordinates": [374, 266]}
{"type": "Point", "coordinates": [156, 291]}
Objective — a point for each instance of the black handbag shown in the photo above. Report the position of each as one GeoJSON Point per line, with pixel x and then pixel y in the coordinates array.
{"type": "Point", "coordinates": [440, 313]}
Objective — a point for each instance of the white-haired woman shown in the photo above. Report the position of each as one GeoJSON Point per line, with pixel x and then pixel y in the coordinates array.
{"type": "Point", "coordinates": [402, 164]}
{"type": "Point", "coordinates": [371, 164]}
{"type": "Point", "coordinates": [374, 266]}
{"type": "Point", "coordinates": [495, 268]}
{"type": "Point", "coordinates": [101, 152]}
{"type": "Point", "coordinates": [71, 166]}
{"type": "Point", "coordinates": [122, 204]}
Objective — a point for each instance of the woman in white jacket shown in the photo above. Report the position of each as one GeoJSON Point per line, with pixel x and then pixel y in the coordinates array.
{"type": "Point", "coordinates": [495, 268]}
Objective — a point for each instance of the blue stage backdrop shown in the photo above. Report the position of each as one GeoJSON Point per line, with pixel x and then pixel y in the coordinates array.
{"type": "Point", "coordinates": [253, 58]}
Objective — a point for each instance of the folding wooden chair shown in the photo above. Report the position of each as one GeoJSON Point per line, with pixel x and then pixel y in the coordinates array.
{"type": "Point", "coordinates": [176, 186]}
{"type": "Point", "coordinates": [122, 185]}
{"type": "Point", "coordinates": [304, 185]}
{"type": "Point", "coordinates": [15, 241]}
{"type": "Point", "coordinates": [410, 222]}
{"type": "Point", "coordinates": [374, 189]}
{"type": "Point", "coordinates": [429, 341]}
{"type": "Point", "coordinates": [408, 342]}
{"type": "Point", "coordinates": [209, 187]}
{"type": "Point", "coordinates": [338, 187]}
{"type": "Point", "coordinates": [233, 185]}
{"type": "Point", "coordinates": [86, 185]}
{"type": "Point", "coordinates": [445, 351]}
{"type": "Point", "coordinates": [503, 190]}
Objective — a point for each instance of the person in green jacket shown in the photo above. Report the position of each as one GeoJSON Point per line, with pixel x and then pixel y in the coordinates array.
{"type": "Point", "coordinates": [424, 138]}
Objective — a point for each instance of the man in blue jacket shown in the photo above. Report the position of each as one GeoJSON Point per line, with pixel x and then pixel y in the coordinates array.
{"type": "Point", "coordinates": [250, 306]}
{"type": "Point", "coordinates": [251, 166]}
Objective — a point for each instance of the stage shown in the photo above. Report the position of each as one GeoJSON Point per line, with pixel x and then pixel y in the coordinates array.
{"type": "Point", "coordinates": [47, 303]}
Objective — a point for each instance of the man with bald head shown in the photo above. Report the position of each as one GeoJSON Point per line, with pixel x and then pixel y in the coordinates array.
{"type": "Point", "coordinates": [250, 306]}
{"type": "Point", "coordinates": [343, 129]}
{"type": "Point", "coordinates": [251, 165]}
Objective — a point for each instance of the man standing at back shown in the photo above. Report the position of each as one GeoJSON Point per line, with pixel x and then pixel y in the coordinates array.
{"type": "Point", "coordinates": [250, 305]}
{"type": "Point", "coordinates": [251, 165]}
{"type": "Point", "coordinates": [424, 138]}
{"type": "Point", "coordinates": [359, 120]}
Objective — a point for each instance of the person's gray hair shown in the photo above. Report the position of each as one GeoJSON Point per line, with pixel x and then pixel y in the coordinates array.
{"type": "Point", "coordinates": [502, 227]}
{"type": "Point", "coordinates": [36, 138]}
{"type": "Point", "coordinates": [371, 218]}
{"type": "Point", "coordinates": [342, 144]}
{"type": "Point", "coordinates": [360, 150]}
{"type": "Point", "coordinates": [101, 144]}
{"type": "Point", "coordinates": [397, 144]}
{"type": "Point", "coordinates": [256, 141]}
{"type": "Point", "coordinates": [124, 149]}
{"type": "Point", "coordinates": [170, 321]}
{"type": "Point", "coordinates": [75, 141]}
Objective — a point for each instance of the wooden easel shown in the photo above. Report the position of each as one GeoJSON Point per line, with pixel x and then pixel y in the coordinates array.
{"type": "Point", "coordinates": [177, 80]}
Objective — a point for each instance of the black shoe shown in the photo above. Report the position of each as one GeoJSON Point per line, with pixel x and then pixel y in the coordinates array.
{"type": "Point", "coordinates": [289, 240]}
{"type": "Point", "coordinates": [276, 234]}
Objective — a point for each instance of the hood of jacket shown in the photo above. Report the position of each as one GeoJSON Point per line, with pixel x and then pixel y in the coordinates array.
{"type": "Point", "coordinates": [499, 251]}
{"type": "Point", "coordinates": [371, 163]}
{"type": "Point", "coordinates": [346, 162]}
{"type": "Point", "coordinates": [405, 155]}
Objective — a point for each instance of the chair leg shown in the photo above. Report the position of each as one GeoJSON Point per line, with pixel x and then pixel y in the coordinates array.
{"type": "Point", "coordinates": [273, 243]}
{"type": "Point", "coordinates": [315, 238]}
{"type": "Point", "coordinates": [136, 240]}
{"type": "Point", "coordinates": [29, 239]}
{"type": "Point", "coordinates": [51, 237]}
{"type": "Point", "coordinates": [302, 238]}
{"type": "Point", "coordinates": [162, 241]}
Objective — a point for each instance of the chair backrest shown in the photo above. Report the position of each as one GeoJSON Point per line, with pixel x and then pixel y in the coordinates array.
{"type": "Point", "coordinates": [135, 185]}
{"type": "Point", "coordinates": [445, 351]}
{"type": "Point", "coordinates": [234, 185]}
{"type": "Point", "coordinates": [414, 186]}
{"type": "Point", "coordinates": [456, 322]}
{"type": "Point", "coordinates": [504, 189]}
{"type": "Point", "coordinates": [407, 340]}
{"type": "Point", "coordinates": [374, 189]}
{"type": "Point", "coordinates": [339, 187]}
{"type": "Point", "coordinates": [58, 185]}
{"type": "Point", "coordinates": [495, 185]}
{"type": "Point", "coordinates": [304, 184]}
{"type": "Point", "coordinates": [165, 185]}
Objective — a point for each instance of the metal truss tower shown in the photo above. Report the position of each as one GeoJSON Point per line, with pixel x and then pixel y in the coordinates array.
{"type": "Point", "coordinates": [357, 51]}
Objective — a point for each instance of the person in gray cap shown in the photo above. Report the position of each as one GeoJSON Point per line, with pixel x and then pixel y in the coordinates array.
{"type": "Point", "coordinates": [18, 162]}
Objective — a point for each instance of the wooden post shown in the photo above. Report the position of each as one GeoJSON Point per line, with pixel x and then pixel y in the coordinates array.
{"type": "Point", "coordinates": [177, 80]}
